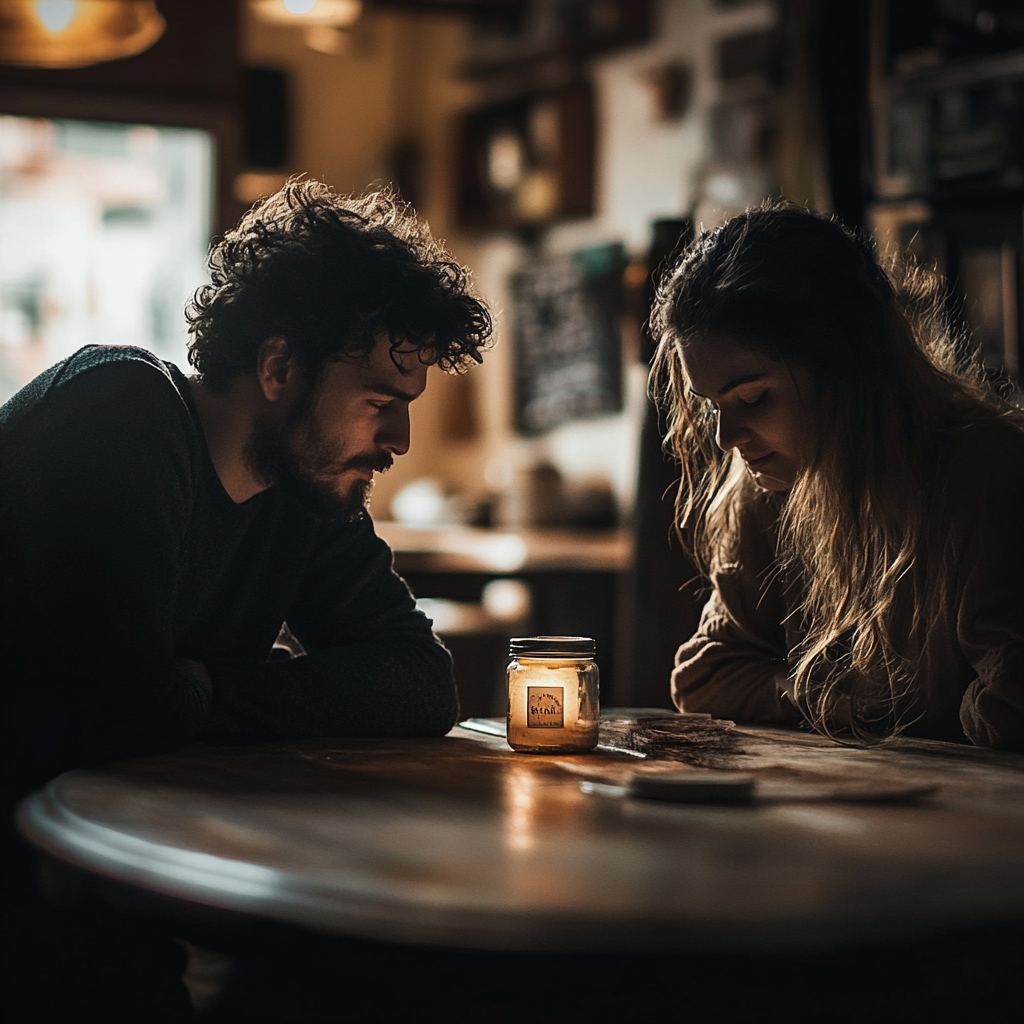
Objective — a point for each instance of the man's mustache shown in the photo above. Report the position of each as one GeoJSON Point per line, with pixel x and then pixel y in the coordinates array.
{"type": "Point", "coordinates": [378, 463]}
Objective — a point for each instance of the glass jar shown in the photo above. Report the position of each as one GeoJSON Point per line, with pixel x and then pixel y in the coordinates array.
{"type": "Point", "coordinates": [553, 694]}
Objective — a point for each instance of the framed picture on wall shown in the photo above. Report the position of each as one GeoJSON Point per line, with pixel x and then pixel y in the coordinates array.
{"type": "Point", "coordinates": [528, 160]}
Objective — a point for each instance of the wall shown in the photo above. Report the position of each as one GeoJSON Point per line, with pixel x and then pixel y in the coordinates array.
{"type": "Point", "coordinates": [646, 169]}
{"type": "Point", "coordinates": [400, 80]}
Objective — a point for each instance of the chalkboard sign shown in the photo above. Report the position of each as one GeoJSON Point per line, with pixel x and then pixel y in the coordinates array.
{"type": "Point", "coordinates": [567, 344]}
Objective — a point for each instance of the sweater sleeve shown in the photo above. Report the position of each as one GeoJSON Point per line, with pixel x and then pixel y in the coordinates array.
{"type": "Point", "coordinates": [735, 665]}
{"type": "Point", "coordinates": [990, 621]}
{"type": "Point", "coordinates": [373, 667]}
{"type": "Point", "coordinates": [100, 485]}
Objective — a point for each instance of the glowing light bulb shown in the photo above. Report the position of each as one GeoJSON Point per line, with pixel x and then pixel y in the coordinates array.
{"type": "Point", "coordinates": [56, 15]}
{"type": "Point", "coordinates": [308, 14]}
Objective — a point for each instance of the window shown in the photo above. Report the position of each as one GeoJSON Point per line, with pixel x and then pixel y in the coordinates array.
{"type": "Point", "coordinates": [104, 230]}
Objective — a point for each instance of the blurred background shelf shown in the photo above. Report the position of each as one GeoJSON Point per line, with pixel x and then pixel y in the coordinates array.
{"type": "Point", "coordinates": [482, 586]}
{"type": "Point", "coordinates": [473, 549]}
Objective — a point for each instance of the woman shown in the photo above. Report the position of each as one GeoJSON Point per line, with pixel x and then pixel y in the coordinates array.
{"type": "Point", "coordinates": [851, 486]}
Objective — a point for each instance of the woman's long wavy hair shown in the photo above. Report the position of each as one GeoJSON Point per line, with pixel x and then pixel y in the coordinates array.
{"type": "Point", "coordinates": [860, 539]}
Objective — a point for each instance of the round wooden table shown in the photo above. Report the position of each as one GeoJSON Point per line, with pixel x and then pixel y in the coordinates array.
{"type": "Point", "coordinates": [461, 842]}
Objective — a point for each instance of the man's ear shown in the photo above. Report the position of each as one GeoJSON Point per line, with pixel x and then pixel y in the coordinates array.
{"type": "Point", "coordinates": [276, 369]}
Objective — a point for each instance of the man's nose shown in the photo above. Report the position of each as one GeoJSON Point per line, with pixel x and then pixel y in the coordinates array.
{"type": "Point", "coordinates": [394, 433]}
{"type": "Point", "coordinates": [732, 430]}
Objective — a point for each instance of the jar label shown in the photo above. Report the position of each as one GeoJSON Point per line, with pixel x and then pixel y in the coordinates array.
{"type": "Point", "coordinates": [545, 707]}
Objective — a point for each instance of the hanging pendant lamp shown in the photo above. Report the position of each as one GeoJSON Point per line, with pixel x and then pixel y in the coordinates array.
{"type": "Point", "coordinates": [76, 33]}
{"type": "Point", "coordinates": [308, 13]}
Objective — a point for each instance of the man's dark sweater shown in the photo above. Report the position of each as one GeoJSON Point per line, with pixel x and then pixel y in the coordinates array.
{"type": "Point", "coordinates": [122, 557]}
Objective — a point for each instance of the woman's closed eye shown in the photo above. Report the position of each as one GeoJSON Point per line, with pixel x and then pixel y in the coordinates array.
{"type": "Point", "coordinates": [753, 403]}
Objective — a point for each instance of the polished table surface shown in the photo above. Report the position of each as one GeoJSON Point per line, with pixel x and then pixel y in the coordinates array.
{"type": "Point", "coordinates": [459, 841]}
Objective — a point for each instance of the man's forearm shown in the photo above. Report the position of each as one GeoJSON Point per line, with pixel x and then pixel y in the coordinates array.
{"type": "Point", "coordinates": [395, 686]}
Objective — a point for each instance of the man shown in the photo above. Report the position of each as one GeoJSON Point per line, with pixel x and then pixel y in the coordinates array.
{"type": "Point", "coordinates": [156, 531]}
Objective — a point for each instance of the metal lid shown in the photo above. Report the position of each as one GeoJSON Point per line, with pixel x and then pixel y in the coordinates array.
{"type": "Point", "coordinates": [552, 646]}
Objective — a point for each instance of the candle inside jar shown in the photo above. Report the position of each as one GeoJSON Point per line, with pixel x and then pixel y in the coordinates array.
{"type": "Point", "coordinates": [553, 702]}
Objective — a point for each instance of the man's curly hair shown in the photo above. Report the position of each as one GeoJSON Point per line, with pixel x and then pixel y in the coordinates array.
{"type": "Point", "coordinates": [330, 273]}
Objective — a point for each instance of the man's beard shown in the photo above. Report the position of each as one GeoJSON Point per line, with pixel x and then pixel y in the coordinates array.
{"type": "Point", "coordinates": [295, 458]}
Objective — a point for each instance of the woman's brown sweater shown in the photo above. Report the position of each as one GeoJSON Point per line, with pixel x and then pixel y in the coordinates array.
{"type": "Point", "coordinates": [970, 669]}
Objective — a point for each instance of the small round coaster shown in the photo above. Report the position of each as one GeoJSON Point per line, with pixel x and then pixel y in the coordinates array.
{"type": "Point", "coordinates": [694, 788]}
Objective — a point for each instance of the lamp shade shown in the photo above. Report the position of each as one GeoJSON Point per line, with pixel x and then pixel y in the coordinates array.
{"type": "Point", "coordinates": [76, 33]}
{"type": "Point", "coordinates": [303, 13]}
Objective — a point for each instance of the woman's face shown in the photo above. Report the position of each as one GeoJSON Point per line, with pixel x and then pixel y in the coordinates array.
{"type": "Point", "coordinates": [762, 407]}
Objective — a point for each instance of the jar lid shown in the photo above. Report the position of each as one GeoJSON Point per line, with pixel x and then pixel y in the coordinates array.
{"type": "Point", "coordinates": [552, 646]}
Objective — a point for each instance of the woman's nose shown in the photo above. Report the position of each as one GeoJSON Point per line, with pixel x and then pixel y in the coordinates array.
{"type": "Point", "coordinates": [732, 431]}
